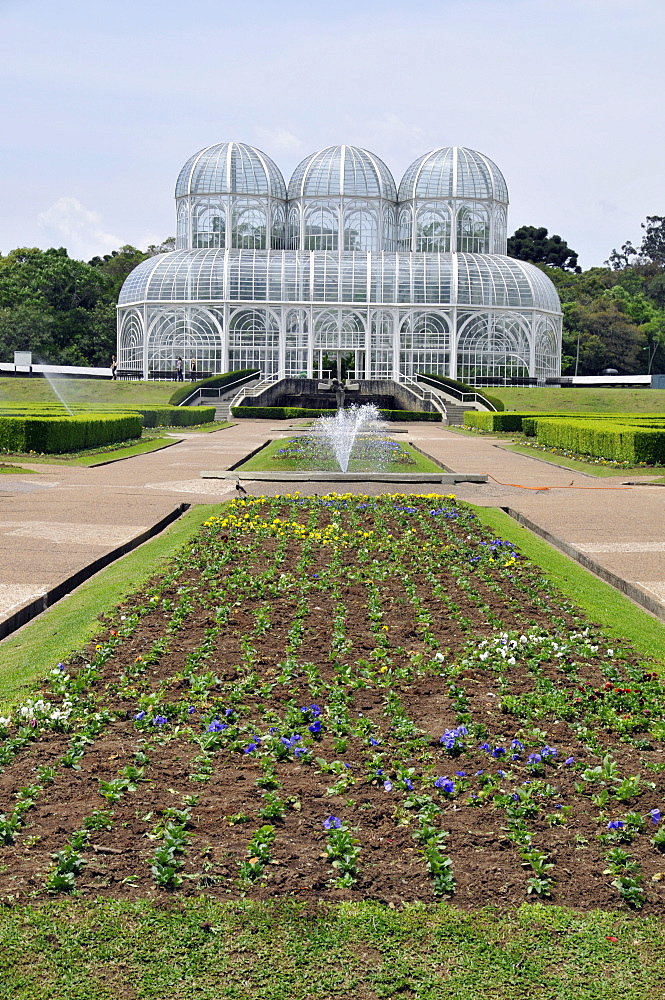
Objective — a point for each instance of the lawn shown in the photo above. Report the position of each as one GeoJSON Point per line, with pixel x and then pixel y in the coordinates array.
{"type": "Point", "coordinates": [99, 392]}
{"type": "Point", "coordinates": [340, 746]}
{"type": "Point", "coordinates": [580, 400]}
{"type": "Point", "coordinates": [369, 455]}
{"type": "Point", "coordinates": [152, 440]}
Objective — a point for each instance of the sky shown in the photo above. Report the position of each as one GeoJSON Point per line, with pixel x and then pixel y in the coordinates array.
{"type": "Point", "coordinates": [101, 104]}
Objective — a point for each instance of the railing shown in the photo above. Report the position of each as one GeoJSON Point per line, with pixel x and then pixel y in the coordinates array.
{"type": "Point", "coordinates": [215, 391]}
{"type": "Point", "coordinates": [256, 390]}
{"type": "Point", "coordinates": [461, 397]}
{"type": "Point", "coordinates": [424, 394]}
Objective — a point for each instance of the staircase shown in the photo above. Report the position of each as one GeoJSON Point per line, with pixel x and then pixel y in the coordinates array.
{"type": "Point", "coordinates": [456, 412]}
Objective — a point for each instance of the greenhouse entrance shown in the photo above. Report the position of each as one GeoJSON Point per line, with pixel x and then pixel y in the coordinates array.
{"type": "Point", "coordinates": [343, 365]}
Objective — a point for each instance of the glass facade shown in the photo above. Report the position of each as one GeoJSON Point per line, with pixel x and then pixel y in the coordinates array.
{"type": "Point", "coordinates": [411, 282]}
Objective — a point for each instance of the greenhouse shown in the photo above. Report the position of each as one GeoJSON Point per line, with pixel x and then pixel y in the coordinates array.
{"type": "Point", "coordinates": [341, 271]}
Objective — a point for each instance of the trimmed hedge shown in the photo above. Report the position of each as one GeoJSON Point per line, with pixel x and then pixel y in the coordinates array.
{"type": "Point", "coordinates": [604, 439]}
{"type": "Point", "coordinates": [56, 435]}
{"type": "Point", "coordinates": [153, 416]}
{"type": "Point", "coordinates": [226, 381]}
{"type": "Point", "coordinates": [293, 412]}
{"type": "Point", "coordinates": [526, 422]}
{"type": "Point", "coordinates": [493, 421]}
{"type": "Point", "coordinates": [463, 387]}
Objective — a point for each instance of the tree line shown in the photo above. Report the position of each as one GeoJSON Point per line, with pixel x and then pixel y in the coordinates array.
{"type": "Point", "coordinates": [63, 310]}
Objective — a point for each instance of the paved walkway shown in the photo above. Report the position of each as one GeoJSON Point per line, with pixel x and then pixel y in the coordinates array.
{"type": "Point", "coordinates": [57, 522]}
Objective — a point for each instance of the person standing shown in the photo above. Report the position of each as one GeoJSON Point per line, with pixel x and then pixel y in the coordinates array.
{"type": "Point", "coordinates": [114, 368]}
{"type": "Point", "coordinates": [178, 369]}
{"type": "Point", "coordinates": [192, 368]}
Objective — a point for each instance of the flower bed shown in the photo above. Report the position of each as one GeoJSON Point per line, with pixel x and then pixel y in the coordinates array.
{"type": "Point", "coordinates": [342, 697]}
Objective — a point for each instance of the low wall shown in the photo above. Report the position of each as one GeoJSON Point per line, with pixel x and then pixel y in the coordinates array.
{"type": "Point", "coordinates": [304, 392]}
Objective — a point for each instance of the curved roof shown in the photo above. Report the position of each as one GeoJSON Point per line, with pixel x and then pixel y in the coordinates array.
{"type": "Point", "coordinates": [342, 170]}
{"type": "Point", "coordinates": [477, 280]}
{"type": "Point", "coordinates": [453, 172]}
{"type": "Point", "coordinates": [230, 168]}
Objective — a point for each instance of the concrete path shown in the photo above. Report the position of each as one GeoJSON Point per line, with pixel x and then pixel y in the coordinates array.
{"type": "Point", "coordinates": [55, 523]}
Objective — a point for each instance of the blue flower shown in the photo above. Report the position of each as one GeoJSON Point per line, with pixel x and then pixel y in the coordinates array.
{"type": "Point", "coordinates": [332, 823]}
{"type": "Point", "coordinates": [445, 784]}
{"type": "Point", "coordinates": [159, 720]}
{"type": "Point", "coordinates": [216, 726]}
{"type": "Point", "coordinates": [373, 742]}
{"type": "Point", "coordinates": [535, 758]}
{"type": "Point", "coordinates": [388, 785]}
{"type": "Point", "coordinates": [615, 824]}
{"type": "Point", "coordinates": [502, 774]}
{"type": "Point", "coordinates": [61, 667]}
{"type": "Point", "coordinates": [191, 710]}
{"type": "Point", "coordinates": [250, 747]}
{"type": "Point", "coordinates": [300, 752]}
{"type": "Point", "coordinates": [549, 751]}
{"type": "Point", "coordinates": [516, 745]}
{"type": "Point", "coordinates": [569, 761]}
{"type": "Point", "coordinates": [409, 784]}
{"type": "Point", "coordinates": [315, 727]}
{"type": "Point", "coordinates": [655, 815]}
{"type": "Point", "coordinates": [484, 746]}
{"type": "Point", "coordinates": [498, 752]}
{"type": "Point", "coordinates": [460, 774]}
{"type": "Point", "coordinates": [140, 715]}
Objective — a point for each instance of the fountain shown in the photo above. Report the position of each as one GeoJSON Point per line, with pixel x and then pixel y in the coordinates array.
{"type": "Point", "coordinates": [56, 392]}
{"type": "Point", "coordinates": [341, 432]}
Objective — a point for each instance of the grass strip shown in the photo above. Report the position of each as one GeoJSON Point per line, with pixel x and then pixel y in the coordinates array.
{"type": "Point", "coordinates": [579, 399]}
{"type": "Point", "coordinates": [578, 465]}
{"type": "Point", "coordinates": [73, 950]}
{"type": "Point", "coordinates": [615, 613]}
{"type": "Point", "coordinates": [89, 459]}
{"type": "Point", "coordinates": [266, 461]}
{"type": "Point", "coordinates": [72, 622]}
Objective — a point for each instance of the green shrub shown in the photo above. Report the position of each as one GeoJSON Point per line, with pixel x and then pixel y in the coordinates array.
{"type": "Point", "coordinates": [56, 434]}
{"type": "Point", "coordinates": [293, 412]}
{"type": "Point", "coordinates": [176, 416]}
{"type": "Point", "coordinates": [604, 439]}
{"type": "Point", "coordinates": [225, 381]}
{"type": "Point", "coordinates": [493, 421]}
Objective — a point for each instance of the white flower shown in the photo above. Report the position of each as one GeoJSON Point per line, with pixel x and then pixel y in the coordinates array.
{"type": "Point", "coordinates": [610, 652]}
{"type": "Point", "coordinates": [4, 722]}
{"type": "Point", "coordinates": [511, 660]}
{"type": "Point", "coordinates": [440, 657]}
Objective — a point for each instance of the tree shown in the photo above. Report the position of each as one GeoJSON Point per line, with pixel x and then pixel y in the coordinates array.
{"type": "Point", "coordinates": [534, 245]}
{"type": "Point", "coordinates": [650, 251]}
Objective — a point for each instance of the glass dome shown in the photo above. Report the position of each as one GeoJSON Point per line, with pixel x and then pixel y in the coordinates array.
{"type": "Point", "coordinates": [453, 199]}
{"type": "Point", "coordinates": [230, 168]}
{"type": "Point", "coordinates": [342, 170]}
{"type": "Point", "coordinates": [454, 172]}
{"type": "Point", "coordinates": [342, 198]}
{"type": "Point", "coordinates": [230, 195]}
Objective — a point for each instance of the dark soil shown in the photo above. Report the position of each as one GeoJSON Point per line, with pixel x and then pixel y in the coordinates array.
{"type": "Point", "coordinates": [221, 616]}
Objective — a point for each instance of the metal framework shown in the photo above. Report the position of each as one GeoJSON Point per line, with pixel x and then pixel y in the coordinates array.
{"type": "Point", "coordinates": [400, 284]}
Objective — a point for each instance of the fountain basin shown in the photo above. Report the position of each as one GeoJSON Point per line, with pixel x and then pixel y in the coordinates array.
{"type": "Point", "coordinates": [350, 477]}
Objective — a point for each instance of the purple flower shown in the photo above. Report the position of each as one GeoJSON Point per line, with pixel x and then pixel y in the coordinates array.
{"type": "Point", "coordinates": [273, 729]}
{"type": "Point", "coordinates": [445, 784]}
{"type": "Point", "coordinates": [388, 785]}
{"type": "Point", "coordinates": [159, 720]}
{"type": "Point", "coordinates": [140, 715]}
{"type": "Point", "coordinates": [479, 772]}
{"type": "Point", "coordinates": [615, 824]}
{"type": "Point", "coordinates": [332, 823]}
{"type": "Point", "coordinates": [228, 711]}
{"type": "Point", "coordinates": [191, 710]}
{"type": "Point", "coordinates": [484, 746]}
{"type": "Point", "coordinates": [516, 745]}
{"type": "Point", "coordinates": [535, 758]}
{"type": "Point", "coordinates": [498, 752]}
{"type": "Point", "coordinates": [460, 774]}
{"type": "Point", "coordinates": [61, 667]}
{"type": "Point", "coordinates": [569, 761]}
{"type": "Point", "coordinates": [216, 726]}
{"type": "Point", "coordinates": [655, 815]}
{"type": "Point", "coordinates": [549, 751]}
{"type": "Point", "coordinates": [409, 784]}
{"type": "Point", "coordinates": [514, 756]}
{"type": "Point", "coordinates": [300, 752]}
{"type": "Point", "coordinates": [373, 742]}
{"type": "Point", "coordinates": [250, 747]}
{"type": "Point", "coordinates": [502, 774]}
{"type": "Point", "coordinates": [315, 727]}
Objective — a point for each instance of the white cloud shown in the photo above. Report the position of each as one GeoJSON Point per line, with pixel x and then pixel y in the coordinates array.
{"type": "Point", "coordinates": [280, 140]}
{"type": "Point", "coordinates": [71, 224]}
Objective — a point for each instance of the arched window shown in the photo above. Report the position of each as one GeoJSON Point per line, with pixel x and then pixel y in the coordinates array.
{"type": "Point", "coordinates": [425, 344]}
{"type": "Point", "coordinates": [254, 341]}
{"type": "Point", "coordinates": [432, 230]}
{"type": "Point", "coordinates": [492, 347]}
{"type": "Point", "coordinates": [360, 230]}
{"type": "Point", "coordinates": [277, 230]}
{"type": "Point", "coordinates": [190, 333]}
{"type": "Point", "coordinates": [500, 230]}
{"type": "Point", "coordinates": [321, 228]}
{"type": "Point", "coordinates": [208, 225]}
{"type": "Point", "coordinates": [473, 230]}
{"type": "Point", "coordinates": [388, 239]}
{"type": "Point", "coordinates": [182, 231]}
{"type": "Point", "coordinates": [293, 235]}
{"type": "Point", "coordinates": [404, 230]}
{"type": "Point", "coordinates": [130, 353]}
{"type": "Point", "coordinates": [249, 228]}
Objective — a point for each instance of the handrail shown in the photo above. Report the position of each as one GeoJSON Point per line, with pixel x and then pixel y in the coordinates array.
{"type": "Point", "coordinates": [255, 390]}
{"type": "Point", "coordinates": [462, 397]}
{"type": "Point", "coordinates": [424, 394]}
{"type": "Point", "coordinates": [221, 390]}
